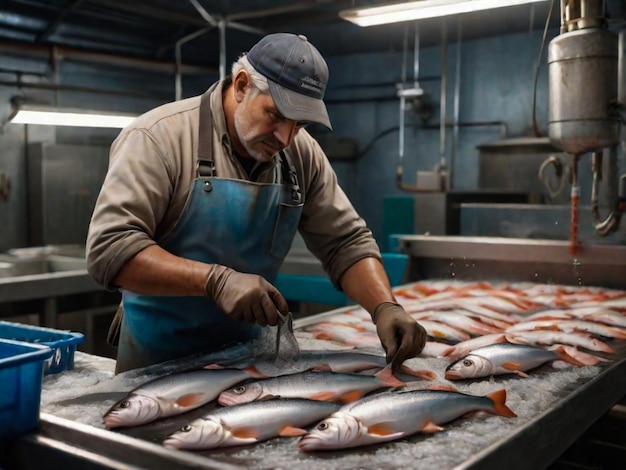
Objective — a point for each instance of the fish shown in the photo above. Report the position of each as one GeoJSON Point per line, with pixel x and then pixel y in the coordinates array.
{"type": "Point", "coordinates": [568, 326]}
{"type": "Point", "coordinates": [350, 361]}
{"type": "Point", "coordinates": [249, 423]}
{"type": "Point", "coordinates": [548, 337]}
{"type": "Point", "coordinates": [325, 386]}
{"type": "Point", "coordinates": [434, 349]}
{"type": "Point", "coordinates": [353, 361]}
{"type": "Point", "coordinates": [441, 331]}
{"type": "Point", "coordinates": [392, 415]}
{"type": "Point", "coordinates": [504, 358]}
{"type": "Point", "coordinates": [465, 347]}
{"type": "Point", "coordinates": [462, 322]}
{"type": "Point", "coordinates": [173, 394]}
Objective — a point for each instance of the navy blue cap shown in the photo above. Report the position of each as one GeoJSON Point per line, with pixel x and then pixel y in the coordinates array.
{"type": "Point", "coordinates": [297, 75]}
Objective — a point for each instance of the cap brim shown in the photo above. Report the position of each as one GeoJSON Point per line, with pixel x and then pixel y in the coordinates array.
{"type": "Point", "coordinates": [299, 107]}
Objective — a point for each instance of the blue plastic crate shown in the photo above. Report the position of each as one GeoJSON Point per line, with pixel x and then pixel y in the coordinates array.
{"type": "Point", "coordinates": [21, 376]}
{"type": "Point", "coordinates": [62, 343]}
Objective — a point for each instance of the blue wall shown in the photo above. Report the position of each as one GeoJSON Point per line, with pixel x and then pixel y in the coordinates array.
{"type": "Point", "coordinates": [496, 84]}
{"type": "Point", "coordinates": [497, 76]}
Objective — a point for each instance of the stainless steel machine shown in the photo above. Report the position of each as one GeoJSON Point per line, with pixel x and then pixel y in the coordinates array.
{"type": "Point", "coordinates": [586, 102]}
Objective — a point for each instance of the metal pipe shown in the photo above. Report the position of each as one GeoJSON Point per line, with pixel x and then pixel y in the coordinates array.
{"type": "Point", "coordinates": [66, 53]}
{"type": "Point", "coordinates": [80, 89]}
{"type": "Point", "coordinates": [222, 29]}
{"type": "Point", "coordinates": [442, 169]}
{"type": "Point", "coordinates": [443, 94]}
{"type": "Point", "coordinates": [178, 54]}
{"type": "Point", "coordinates": [416, 55]}
{"type": "Point", "coordinates": [611, 222]}
{"type": "Point", "coordinates": [203, 13]}
{"type": "Point", "coordinates": [575, 202]}
{"type": "Point", "coordinates": [457, 102]}
{"type": "Point", "coordinates": [400, 168]}
{"type": "Point", "coordinates": [621, 70]}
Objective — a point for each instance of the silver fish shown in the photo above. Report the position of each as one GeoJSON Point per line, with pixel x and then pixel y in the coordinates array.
{"type": "Point", "coordinates": [326, 386]}
{"type": "Point", "coordinates": [249, 423]}
{"type": "Point", "coordinates": [504, 358]}
{"type": "Point", "coordinates": [392, 415]}
{"type": "Point", "coordinates": [172, 395]}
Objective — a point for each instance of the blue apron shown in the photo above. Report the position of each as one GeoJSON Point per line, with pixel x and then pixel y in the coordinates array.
{"type": "Point", "coordinates": [244, 225]}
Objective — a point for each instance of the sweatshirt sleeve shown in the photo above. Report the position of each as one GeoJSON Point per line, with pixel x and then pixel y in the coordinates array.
{"type": "Point", "coordinates": [131, 203]}
{"type": "Point", "coordinates": [331, 227]}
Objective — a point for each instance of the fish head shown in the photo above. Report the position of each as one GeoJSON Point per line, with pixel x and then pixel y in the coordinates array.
{"type": "Point", "coordinates": [243, 393]}
{"type": "Point", "coordinates": [198, 434]}
{"type": "Point", "coordinates": [337, 431]}
{"type": "Point", "coordinates": [468, 367]}
{"type": "Point", "coordinates": [132, 410]}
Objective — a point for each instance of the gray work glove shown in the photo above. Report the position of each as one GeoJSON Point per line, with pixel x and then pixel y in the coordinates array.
{"type": "Point", "coordinates": [245, 297]}
{"type": "Point", "coordinates": [401, 336]}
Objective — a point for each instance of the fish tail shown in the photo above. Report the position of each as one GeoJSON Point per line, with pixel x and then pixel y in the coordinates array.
{"type": "Point", "coordinates": [564, 355]}
{"type": "Point", "coordinates": [499, 404]}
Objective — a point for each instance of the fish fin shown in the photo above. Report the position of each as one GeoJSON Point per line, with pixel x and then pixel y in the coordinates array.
{"type": "Point", "coordinates": [430, 428]}
{"type": "Point", "coordinates": [292, 431]}
{"type": "Point", "coordinates": [322, 368]}
{"type": "Point", "coordinates": [383, 430]}
{"type": "Point", "coordinates": [268, 397]}
{"type": "Point", "coordinates": [564, 355]}
{"type": "Point", "coordinates": [324, 396]}
{"type": "Point", "coordinates": [422, 374]}
{"type": "Point", "coordinates": [499, 403]}
{"type": "Point", "coordinates": [511, 366]}
{"type": "Point", "coordinates": [191, 399]}
{"type": "Point", "coordinates": [351, 396]}
{"type": "Point", "coordinates": [519, 373]}
{"type": "Point", "coordinates": [252, 371]}
{"type": "Point", "coordinates": [386, 376]}
{"type": "Point", "coordinates": [443, 387]}
{"type": "Point", "coordinates": [213, 366]}
{"type": "Point", "coordinates": [449, 351]}
{"type": "Point", "coordinates": [322, 335]}
{"type": "Point", "coordinates": [245, 433]}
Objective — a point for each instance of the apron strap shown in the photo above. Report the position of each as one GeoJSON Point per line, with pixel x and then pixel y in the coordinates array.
{"type": "Point", "coordinates": [290, 177]}
{"type": "Point", "coordinates": [206, 165]}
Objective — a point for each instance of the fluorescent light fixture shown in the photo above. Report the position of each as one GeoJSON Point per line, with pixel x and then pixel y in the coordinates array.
{"type": "Point", "coordinates": [409, 11]}
{"type": "Point", "coordinates": [78, 118]}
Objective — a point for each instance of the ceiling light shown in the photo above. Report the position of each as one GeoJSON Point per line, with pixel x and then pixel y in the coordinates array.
{"type": "Point", "coordinates": [420, 10]}
{"type": "Point", "coordinates": [79, 118]}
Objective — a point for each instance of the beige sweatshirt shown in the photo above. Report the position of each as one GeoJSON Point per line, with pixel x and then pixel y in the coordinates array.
{"type": "Point", "coordinates": [152, 167]}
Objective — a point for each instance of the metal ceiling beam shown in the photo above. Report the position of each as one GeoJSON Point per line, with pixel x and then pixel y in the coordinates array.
{"type": "Point", "coordinates": [52, 27]}
{"type": "Point", "coordinates": [67, 53]}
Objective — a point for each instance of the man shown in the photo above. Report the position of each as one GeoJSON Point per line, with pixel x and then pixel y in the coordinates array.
{"type": "Point", "coordinates": [202, 201]}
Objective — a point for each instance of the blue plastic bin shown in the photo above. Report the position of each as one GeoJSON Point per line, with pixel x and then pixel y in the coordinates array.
{"type": "Point", "coordinates": [21, 376]}
{"type": "Point", "coordinates": [62, 343]}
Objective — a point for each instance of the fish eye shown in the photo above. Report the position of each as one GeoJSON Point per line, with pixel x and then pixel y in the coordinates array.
{"type": "Point", "coordinates": [467, 362]}
{"type": "Point", "coordinates": [323, 426]}
{"type": "Point", "coordinates": [239, 390]}
{"type": "Point", "coordinates": [124, 404]}
{"type": "Point", "coordinates": [186, 428]}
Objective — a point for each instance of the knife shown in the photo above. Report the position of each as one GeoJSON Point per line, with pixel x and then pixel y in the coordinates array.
{"type": "Point", "coordinates": [285, 328]}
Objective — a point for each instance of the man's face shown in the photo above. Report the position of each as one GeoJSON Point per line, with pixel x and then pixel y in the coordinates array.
{"type": "Point", "coordinates": [262, 130]}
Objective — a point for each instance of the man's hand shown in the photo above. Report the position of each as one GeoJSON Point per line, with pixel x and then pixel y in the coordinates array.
{"type": "Point", "coordinates": [401, 336]}
{"type": "Point", "coordinates": [245, 297]}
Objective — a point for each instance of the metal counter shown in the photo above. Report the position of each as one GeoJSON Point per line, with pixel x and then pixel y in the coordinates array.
{"type": "Point", "coordinates": [40, 286]}
{"type": "Point", "coordinates": [533, 443]}
{"type": "Point", "coordinates": [524, 445]}
{"type": "Point", "coordinates": [513, 259]}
